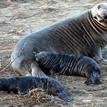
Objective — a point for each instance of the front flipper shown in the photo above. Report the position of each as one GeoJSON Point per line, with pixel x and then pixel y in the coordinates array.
{"type": "Point", "coordinates": [99, 57]}
{"type": "Point", "coordinates": [64, 96]}
{"type": "Point", "coordinates": [104, 62]}
{"type": "Point", "coordinates": [37, 72]}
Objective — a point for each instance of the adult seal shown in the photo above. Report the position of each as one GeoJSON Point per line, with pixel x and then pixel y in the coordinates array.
{"type": "Point", "coordinates": [83, 34]}
{"type": "Point", "coordinates": [23, 84]}
{"type": "Point", "coordinates": [60, 64]}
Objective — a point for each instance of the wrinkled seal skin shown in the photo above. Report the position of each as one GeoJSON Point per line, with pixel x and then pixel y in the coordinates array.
{"type": "Point", "coordinates": [59, 64]}
{"type": "Point", "coordinates": [23, 84]}
{"type": "Point", "coordinates": [83, 34]}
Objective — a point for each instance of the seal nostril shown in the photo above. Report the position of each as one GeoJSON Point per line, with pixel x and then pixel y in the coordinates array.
{"type": "Point", "coordinates": [95, 17]}
{"type": "Point", "coordinates": [105, 17]}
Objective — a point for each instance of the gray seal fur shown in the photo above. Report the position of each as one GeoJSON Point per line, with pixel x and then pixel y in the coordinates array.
{"type": "Point", "coordinates": [24, 84]}
{"type": "Point", "coordinates": [60, 64]}
{"type": "Point", "coordinates": [83, 34]}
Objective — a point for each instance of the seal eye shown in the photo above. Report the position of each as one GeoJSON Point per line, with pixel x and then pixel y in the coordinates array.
{"type": "Point", "coordinates": [95, 17]}
{"type": "Point", "coordinates": [99, 6]}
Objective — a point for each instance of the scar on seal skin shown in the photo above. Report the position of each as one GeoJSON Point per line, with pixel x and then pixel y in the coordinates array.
{"type": "Point", "coordinates": [84, 33]}
{"type": "Point", "coordinates": [63, 64]}
{"type": "Point", "coordinates": [23, 84]}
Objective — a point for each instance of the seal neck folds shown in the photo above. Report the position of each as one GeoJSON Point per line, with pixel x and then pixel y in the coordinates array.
{"type": "Point", "coordinates": [95, 30]}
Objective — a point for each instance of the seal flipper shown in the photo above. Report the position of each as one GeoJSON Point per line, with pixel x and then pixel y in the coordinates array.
{"type": "Point", "coordinates": [64, 96]}
{"type": "Point", "coordinates": [37, 72]}
{"type": "Point", "coordinates": [104, 62]}
{"type": "Point", "coordinates": [99, 57]}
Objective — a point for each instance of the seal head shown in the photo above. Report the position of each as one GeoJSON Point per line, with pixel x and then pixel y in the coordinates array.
{"type": "Point", "coordinates": [99, 12]}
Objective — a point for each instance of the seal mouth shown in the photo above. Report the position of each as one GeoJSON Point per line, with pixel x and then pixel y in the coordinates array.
{"type": "Point", "coordinates": [105, 18]}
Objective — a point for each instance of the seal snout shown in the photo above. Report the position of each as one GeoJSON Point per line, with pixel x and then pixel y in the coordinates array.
{"type": "Point", "coordinates": [94, 77]}
{"type": "Point", "coordinates": [64, 96]}
{"type": "Point", "coordinates": [99, 12]}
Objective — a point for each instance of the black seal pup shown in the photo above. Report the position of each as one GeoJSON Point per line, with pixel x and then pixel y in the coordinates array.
{"type": "Point", "coordinates": [61, 64]}
{"type": "Point", "coordinates": [23, 84]}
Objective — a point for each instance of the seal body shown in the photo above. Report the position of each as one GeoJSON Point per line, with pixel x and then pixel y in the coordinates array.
{"type": "Point", "coordinates": [81, 34]}
{"type": "Point", "coordinates": [24, 84]}
{"type": "Point", "coordinates": [61, 64]}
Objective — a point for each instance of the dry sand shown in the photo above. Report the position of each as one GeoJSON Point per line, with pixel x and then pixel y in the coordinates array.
{"type": "Point", "coordinates": [22, 17]}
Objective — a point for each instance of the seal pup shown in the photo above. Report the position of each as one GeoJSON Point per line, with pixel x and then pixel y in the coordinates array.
{"type": "Point", "coordinates": [23, 84]}
{"type": "Point", "coordinates": [84, 34]}
{"type": "Point", "coordinates": [61, 64]}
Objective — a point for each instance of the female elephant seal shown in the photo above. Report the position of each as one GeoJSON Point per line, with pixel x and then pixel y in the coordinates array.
{"type": "Point", "coordinates": [83, 34]}
{"type": "Point", "coordinates": [23, 84]}
{"type": "Point", "coordinates": [59, 64]}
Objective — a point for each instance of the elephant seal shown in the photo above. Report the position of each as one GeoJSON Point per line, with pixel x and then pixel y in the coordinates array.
{"type": "Point", "coordinates": [61, 64]}
{"type": "Point", "coordinates": [84, 34]}
{"type": "Point", "coordinates": [23, 84]}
